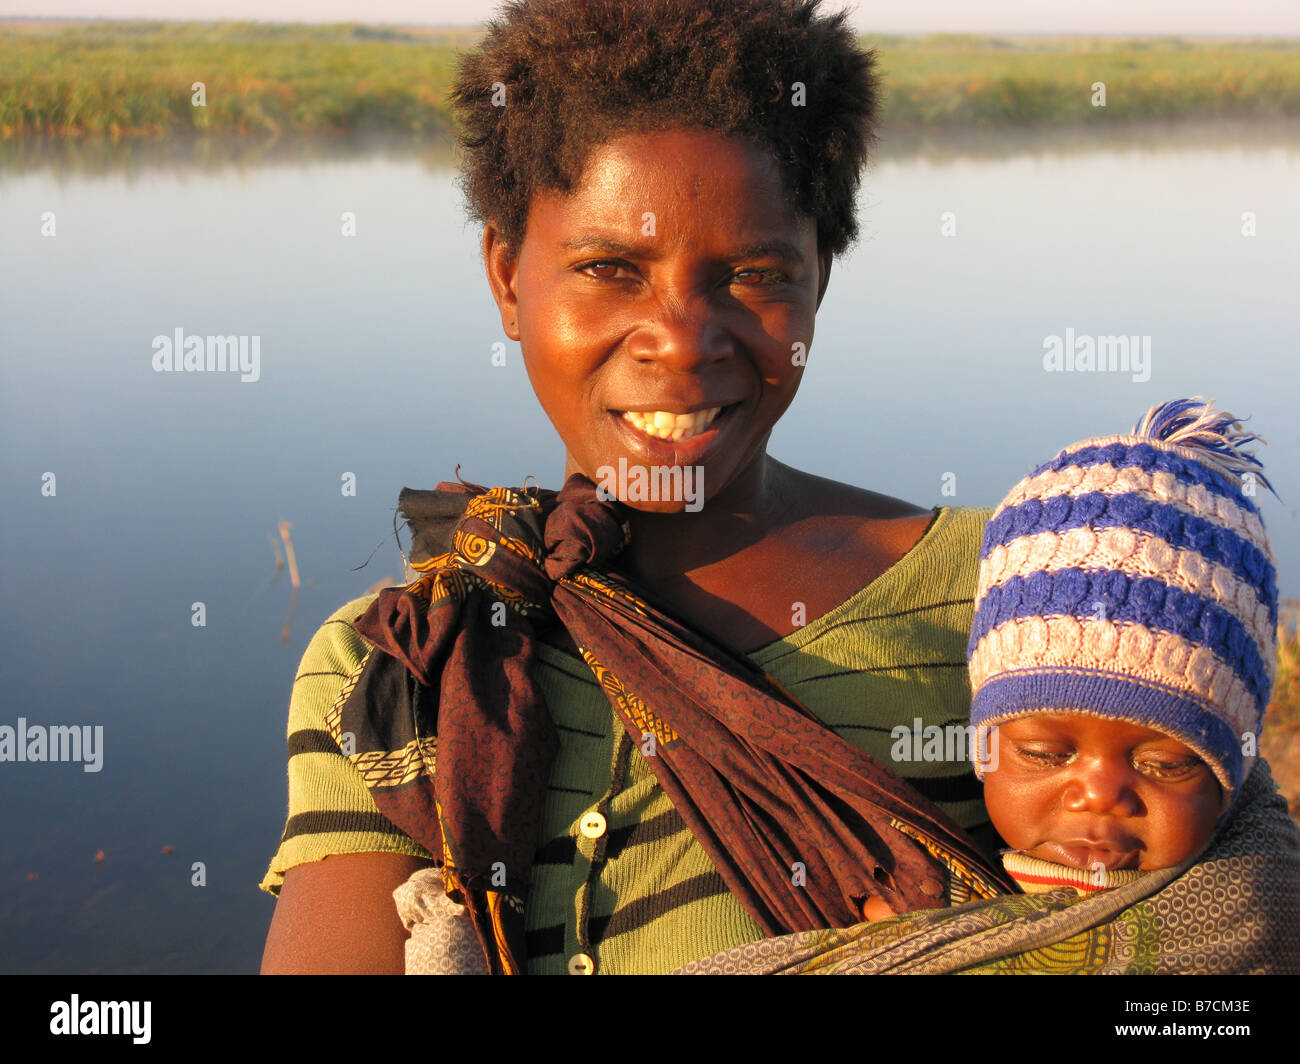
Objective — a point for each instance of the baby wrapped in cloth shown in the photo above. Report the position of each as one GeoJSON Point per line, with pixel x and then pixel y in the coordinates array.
{"type": "Point", "coordinates": [1127, 721]}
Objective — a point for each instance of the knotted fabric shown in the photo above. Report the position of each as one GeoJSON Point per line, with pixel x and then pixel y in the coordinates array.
{"type": "Point", "coordinates": [452, 736]}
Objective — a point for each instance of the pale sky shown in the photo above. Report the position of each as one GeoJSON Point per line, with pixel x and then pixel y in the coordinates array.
{"type": "Point", "coordinates": [1187, 17]}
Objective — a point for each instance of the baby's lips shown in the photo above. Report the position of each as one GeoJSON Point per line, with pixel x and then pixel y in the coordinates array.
{"type": "Point", "coordinates": [1090, 855]}
{"type": "Point", "coordinates": [1083, 854]}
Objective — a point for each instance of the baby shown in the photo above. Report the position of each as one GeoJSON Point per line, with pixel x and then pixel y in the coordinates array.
{"type": "Point", "coordinates": [1123, 650]}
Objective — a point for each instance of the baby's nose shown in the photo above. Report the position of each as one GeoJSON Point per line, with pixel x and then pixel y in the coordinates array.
{"type": "Point", "coordinates": [1102, 786]}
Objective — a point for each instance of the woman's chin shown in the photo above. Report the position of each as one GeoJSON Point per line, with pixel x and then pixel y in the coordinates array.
{"type": "Point", "coordinates": [653, 489]}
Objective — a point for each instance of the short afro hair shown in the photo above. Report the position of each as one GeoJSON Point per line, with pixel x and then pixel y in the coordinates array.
{"type": "Point", "coordinates": [552, 80]}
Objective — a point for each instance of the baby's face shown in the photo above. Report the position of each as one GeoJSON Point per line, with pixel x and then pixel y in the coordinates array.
{"type": "Point", "coordinates": [1080, 791]}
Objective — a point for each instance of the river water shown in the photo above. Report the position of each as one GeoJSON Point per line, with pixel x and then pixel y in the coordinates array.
{"type": "Point", "coordinates": [926, 381]}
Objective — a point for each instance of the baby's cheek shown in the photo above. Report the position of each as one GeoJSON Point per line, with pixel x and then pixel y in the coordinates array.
{"type": "Point", "coordinates": [1006, 809]}
{"type": "Point", "coordinates": [1187, 823]}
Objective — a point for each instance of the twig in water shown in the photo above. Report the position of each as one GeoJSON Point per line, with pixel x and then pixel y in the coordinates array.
{"type": "Point", "coordinates": [293, 578]}
{"type": "Point", "coordinates": [288, 551]}
{"type": "Point", "coordinates": [279, 554]}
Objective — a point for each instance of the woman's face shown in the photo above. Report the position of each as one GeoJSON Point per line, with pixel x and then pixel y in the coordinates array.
{"type": "Point", "coordinates": [675, 280]}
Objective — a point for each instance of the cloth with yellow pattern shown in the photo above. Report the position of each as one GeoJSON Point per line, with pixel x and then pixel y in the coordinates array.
{"type": "Point", "coordinates": [452, 736]}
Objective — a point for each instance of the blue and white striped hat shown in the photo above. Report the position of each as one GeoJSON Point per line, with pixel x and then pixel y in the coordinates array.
{"type": "Point", "coordinates": [1131, 577]}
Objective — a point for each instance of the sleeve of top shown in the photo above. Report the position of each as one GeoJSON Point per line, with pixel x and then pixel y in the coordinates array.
{"type": "Point", "coordinates": [330, 808]}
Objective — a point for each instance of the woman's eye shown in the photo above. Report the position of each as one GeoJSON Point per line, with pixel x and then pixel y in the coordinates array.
{"type": "Point", "coordinates": [755, 278]}
{"type": "Point", "coordinates": [608, 270]}
{"type": "Point", "coordinates": [608, 265]}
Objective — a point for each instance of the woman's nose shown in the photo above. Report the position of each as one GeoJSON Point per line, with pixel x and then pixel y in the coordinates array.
{"type": "Point", "coordinates": [1102, 786]}
{"type": "Point", "coordinates": [681, 333]}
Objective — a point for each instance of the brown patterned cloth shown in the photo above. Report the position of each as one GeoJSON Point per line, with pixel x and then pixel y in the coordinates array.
{"type": "Point", "coordinates": [1233, 910]}
{"type": "Point", "coordinates": [454, 739]}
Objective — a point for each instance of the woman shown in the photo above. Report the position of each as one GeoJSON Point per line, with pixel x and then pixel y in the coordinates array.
{"type": "Point", "coordinates": [663, 188]}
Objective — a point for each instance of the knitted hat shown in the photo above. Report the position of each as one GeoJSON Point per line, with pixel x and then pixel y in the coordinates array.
{"type": "Point", "coordinates": [1130, 577]}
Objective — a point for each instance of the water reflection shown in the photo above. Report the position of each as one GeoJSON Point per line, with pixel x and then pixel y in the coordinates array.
{"type": "Point", "coordinates": [198, 153]}
{"type": "Point", "coordinates": [378, 362]}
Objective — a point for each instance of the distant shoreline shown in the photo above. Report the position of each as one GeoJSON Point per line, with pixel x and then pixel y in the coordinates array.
{"type": "Point", "coordinates": [425, 28]}
{"type": "Point", "coordinates": [73, 78]}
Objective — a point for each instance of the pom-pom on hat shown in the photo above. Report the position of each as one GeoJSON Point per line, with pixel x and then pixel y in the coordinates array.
{"type": "Point", "coordinates": [1131, 577]}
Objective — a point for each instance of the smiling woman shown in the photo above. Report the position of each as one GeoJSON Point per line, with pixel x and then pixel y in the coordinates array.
{"type": "Point", "coordinates": [633, 731]}
{"type": "Point", "coordinates": [677, 741]}
{"type": "Point", "coordinates": [702, 314]}
{"type": "Point", "coordinates": [705, 314]}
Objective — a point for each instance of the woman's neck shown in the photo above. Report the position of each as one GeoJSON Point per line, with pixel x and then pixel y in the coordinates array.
{"type": "Point", "coordinates": [665, 545]}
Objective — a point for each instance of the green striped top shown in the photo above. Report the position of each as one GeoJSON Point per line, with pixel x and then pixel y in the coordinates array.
{"type": "Point", "coordinates": [643, 896]}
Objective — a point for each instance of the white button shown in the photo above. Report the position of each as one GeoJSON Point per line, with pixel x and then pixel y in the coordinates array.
{"type": "Point", "coordinates": [592, 825]}
{"type": "Point", "coordinates": [581, 964]}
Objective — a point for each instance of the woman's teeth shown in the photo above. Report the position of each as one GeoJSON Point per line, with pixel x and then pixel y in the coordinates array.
{"type": "Point", "coordinates": [676, 427]}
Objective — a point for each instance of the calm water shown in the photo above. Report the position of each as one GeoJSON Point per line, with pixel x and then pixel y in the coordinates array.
{"type": "Point", "coordinates": [375, 359]}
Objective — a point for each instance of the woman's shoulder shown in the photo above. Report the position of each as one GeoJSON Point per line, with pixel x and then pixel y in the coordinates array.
{"type": "Point", "coordinates": [925, 599]}
{"type": "Point", "coordinates": [944, 563]}
{"type": "Point", "coordinates": [334, 654]}
{"type": "Point", "coordinates": [336, 646]}
{"type": "Point", "coordinates": [940, 544]}
{"type": "Point", "coordinates": [958, 531]}
{"type": "Point", "coordinates": [878, 515]}
{"type": "Point", "coordinates": [330, 808]}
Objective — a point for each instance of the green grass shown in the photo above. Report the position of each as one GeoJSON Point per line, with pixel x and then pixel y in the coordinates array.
{"type": "Point", "coordinates": [1280, 743]}
{"type": "Point", "coordinates": [989, 81]}
{"type": "Point", "coordinates": [128, 78]}
{"type": "Point", "coordinates": [124, 78]}
{"type": "Point", "coordinates": [1284, 707]}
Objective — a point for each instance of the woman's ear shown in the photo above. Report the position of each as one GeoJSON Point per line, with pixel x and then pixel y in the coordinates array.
{"type": "Point", "coordinates": [824, 267]}
{"type": "Point", "coordinates": [502, 265]}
